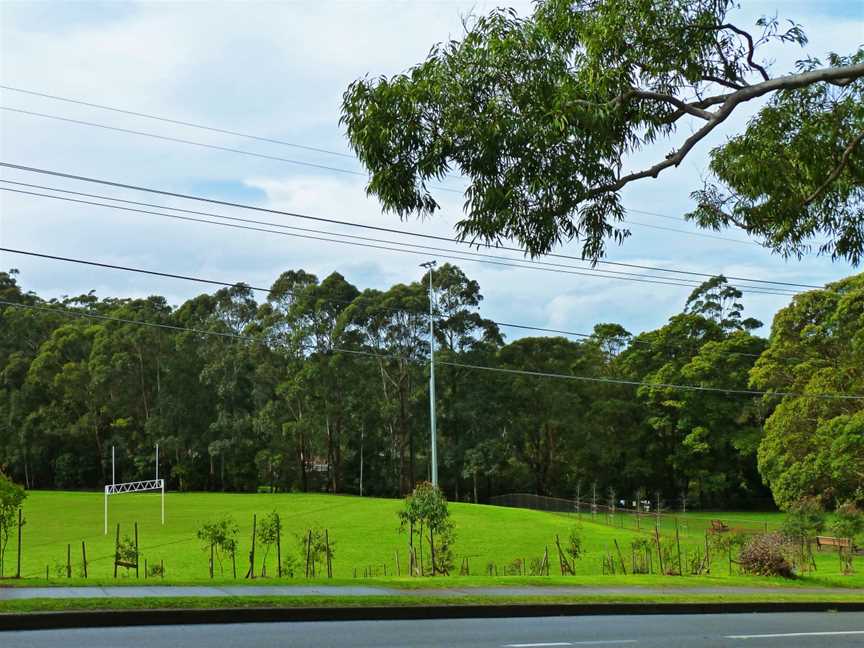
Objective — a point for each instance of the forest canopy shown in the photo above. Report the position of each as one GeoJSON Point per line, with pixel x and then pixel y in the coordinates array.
{"type": "Point", "coordinates": [294, 391]}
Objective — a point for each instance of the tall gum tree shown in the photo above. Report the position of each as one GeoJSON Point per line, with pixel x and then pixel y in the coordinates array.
{"type": "Point", "coordinates": [813, 445]}
{"type": "Point", "coordinates": [545, 116]}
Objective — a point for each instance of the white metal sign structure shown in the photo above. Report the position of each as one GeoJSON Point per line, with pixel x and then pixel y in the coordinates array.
{"type": "Point", "coordinates": [134, 487]}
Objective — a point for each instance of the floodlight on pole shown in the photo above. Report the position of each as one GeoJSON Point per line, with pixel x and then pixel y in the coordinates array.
{"type": "Point", "coordinates": [429, 265]}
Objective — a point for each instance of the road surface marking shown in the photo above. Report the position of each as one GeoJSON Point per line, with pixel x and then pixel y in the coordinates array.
{"type": "Point", "coordinates": [537, 645]}
{"type": "Point", "coordinates": [797, 634]}
{"type": "Point", "coordinates": [599, 642]}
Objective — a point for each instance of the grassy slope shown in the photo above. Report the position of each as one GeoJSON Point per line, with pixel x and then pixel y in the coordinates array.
{"type": "Point", "coordinates": [365, 532]}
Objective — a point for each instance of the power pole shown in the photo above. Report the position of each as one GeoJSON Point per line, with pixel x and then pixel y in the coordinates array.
{"type": "Point", "coordinates": [429, 265]}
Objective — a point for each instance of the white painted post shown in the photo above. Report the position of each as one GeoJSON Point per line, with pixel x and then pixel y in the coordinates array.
{"type": "Point", "coordinates": [157, 462]}
{"type": "Point", "coordinates": [162, 484]}
{"type": "Point", "coordinates": [113, 478]}
{"type": "Point", "coordinates": [106, 510]}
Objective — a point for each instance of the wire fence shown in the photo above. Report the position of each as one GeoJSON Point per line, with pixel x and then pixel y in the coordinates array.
{"type": "Point", "coordinates": [644, 518]}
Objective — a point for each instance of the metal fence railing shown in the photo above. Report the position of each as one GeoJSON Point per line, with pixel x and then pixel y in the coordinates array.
{"type": "Point", "coordinates": [643, 518]}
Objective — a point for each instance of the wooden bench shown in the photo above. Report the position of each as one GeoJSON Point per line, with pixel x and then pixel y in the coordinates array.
{"type": "Point", "coordinates": [828, 541]}
{"type": "Point", "coordinates": [718, 526]}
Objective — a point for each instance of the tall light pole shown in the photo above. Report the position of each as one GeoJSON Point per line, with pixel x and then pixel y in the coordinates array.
{"type": "Point", "coordinates": [429, 265]}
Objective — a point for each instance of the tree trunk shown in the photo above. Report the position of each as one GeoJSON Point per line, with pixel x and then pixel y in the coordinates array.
{"type": "Point", "coordinates": [143, 385]}
{"type": "Point", "coordinates": [99, 450]}
{"type": "Point", "coordinates": [475, 486]}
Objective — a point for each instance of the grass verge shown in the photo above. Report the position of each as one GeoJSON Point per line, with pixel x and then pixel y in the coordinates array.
{"type": "Point", "coordinates": [229, 602]}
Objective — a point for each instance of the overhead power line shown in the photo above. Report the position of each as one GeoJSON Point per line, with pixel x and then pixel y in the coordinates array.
{"type": "Point", "coordinates": [170, 275]}
{"type": "Point", "coordinates": [475, 256]}
{"type": "Point", "coordinates": [227, 203]}
{"type": "Point", "coordinates": [540, 374]}
{"type": "Point", "coordinates": [441, 253]}
{"type": "Point", "coordinates": [215, 147]}
{"type": "Point", "coordinates": [178, 122]}
{"type": "Point", "coordinates": [356, 243]}
{"type": "Point", "coordinates": [228, 149]}
{"type": "Point", "coordinates": [639, 383]}
{"type": "Point", "coordinates": [631, 340]}
{"type": "Point", "coordinates": [249, 136]}
{"type": "Point", "coordinates": [172, 327]}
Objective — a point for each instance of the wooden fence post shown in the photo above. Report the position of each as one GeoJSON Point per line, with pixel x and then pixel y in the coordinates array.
{"type": "Point", "coordinates": [68, 561]}
{"type": "Point", "coordinates": [117, 550]}
{"type": "Point", "coordinates": [308, 552]}
{"type": "Point", "coordinates": [20, 524]}
{"type": "Point", "coordinates": [659, 550]}
{"type": "Point", "coordinates": [251, 572]}
{"type": "Point", "coordinates": [137, 555]}
{"type": "Point", "coordinates": [278, 546]}
{"type": "Point", "coordinates": [84, 557]}
{"type": "Point", "coordinates": [620, 557]}
{"type": "Point", "coordinates": [327, 555]}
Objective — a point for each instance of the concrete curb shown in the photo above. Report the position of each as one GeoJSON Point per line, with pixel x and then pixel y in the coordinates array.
{"type": "Point", "coordinates": [119, 618]}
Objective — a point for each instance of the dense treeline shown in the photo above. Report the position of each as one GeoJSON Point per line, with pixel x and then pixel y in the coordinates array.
{"type": "Point", "coordinates": [298, 391]}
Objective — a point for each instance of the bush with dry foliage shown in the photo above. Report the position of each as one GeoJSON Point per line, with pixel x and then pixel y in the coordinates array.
{"type": "Point", "coordinates": [766, 555]}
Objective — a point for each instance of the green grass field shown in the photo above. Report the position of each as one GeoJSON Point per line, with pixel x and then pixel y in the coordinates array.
{"type": "Point", "coordinates": [364, 531]}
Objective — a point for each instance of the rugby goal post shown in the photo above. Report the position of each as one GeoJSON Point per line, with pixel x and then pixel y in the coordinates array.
{"type": "Point", "coordinates": [134, 487]}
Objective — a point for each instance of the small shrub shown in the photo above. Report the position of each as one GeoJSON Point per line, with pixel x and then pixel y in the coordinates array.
{"type": "Point", "coordinates": [805, 519]}
{"type": "Point", "coordinates": [766, 555]}
{"type": "Point", "coordinates": [155, 570]}
{"type": "Point", "coordinates": [316, 546]}
{"type": "Point", "coordinates": [726, 542]}
{"type": "Point", "coordinates": [575, 547]}
{"type": "Point", "coordinates": [290, 566]}
{"type": "Point", "coordinates": [848, 521]}
{"type": "Point", "coordinates": [640, 554]}
{"type": "Point", "coordinates": [514, 568]}
{"type": "Point", "coordinates": [221, 535]}
{"type": "Point", "coordinates": [11, 497]}
{"type": "Point", "coordinates": [269, 532]}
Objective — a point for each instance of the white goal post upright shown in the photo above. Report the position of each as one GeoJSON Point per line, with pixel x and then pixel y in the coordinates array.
{"type": "Point", "coordinates": [134, 487]}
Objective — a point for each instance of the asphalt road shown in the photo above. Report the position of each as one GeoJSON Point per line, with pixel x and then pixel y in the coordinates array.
{"type": "Point", "coordinates": [790, 630]}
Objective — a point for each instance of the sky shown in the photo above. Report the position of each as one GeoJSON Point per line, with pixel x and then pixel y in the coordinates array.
{"type": "Point", "coordinates": [278, 70]}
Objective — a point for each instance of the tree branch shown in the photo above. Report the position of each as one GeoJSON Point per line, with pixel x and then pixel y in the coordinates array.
{"type": "Point", "coordinates": [723, 82]}
{"type": "Point", "coordinates": [730, 102]}
{"type": "Point", "coordinates": [751, 50]}
{"type": "Point", "coordinates": [847, 152]}
{"type": "Point", "coordinates": [683, 107]}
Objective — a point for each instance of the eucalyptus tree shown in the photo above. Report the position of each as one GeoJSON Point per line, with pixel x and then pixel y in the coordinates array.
{"type": "Point", "coordinates": [813, 442]}
{"type": "Point", "coordinates": [22, 445]}
{"type": "Point", "coordinates": [463, 337]}
{"type": "Point", "coordinates": [550, 116]}
{"type": "Point", "coordinates": [228, 371]}
{"type": "Point", "coordinates": [393, 325]}
{"type": "Point", "coordinates": [544, 414]}
{"type": "Point", "coordinates": [126, 365]}
{"type": "Point", "coordinates": [66, 414]}
{"type": "Point", "coordinates": [681, 433]}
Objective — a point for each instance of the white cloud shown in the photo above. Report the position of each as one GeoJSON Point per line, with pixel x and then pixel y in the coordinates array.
{"type": "Point", "coordinates": [279, 69]}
